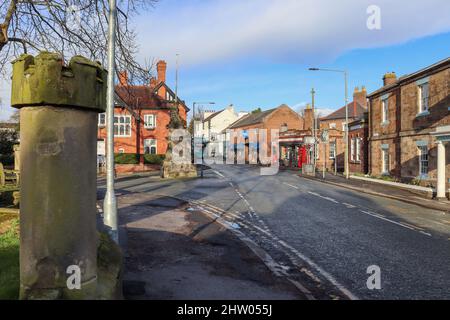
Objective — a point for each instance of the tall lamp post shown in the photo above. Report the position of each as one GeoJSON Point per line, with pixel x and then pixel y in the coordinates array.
{"type": "Point", "coordinates": [193, 116]}
{"type": "Point", "coordinates": [110, 202]}
{"type": "Point", "coordinates": [346, 113]}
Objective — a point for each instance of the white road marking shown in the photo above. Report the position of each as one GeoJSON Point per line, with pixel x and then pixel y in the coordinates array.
{"type": "Point", "coordinates": [391, 221]}
{"type": "Point", "coordinates": [219, 174]}
{"type": "Point", "coordinates": [302, 257]}
{"type": "Point", "coordinates": [290, 185]}
{"type": "Point", "coordinates": [348, 205]}
{"type": "Point", "coordinates": [323, 197]}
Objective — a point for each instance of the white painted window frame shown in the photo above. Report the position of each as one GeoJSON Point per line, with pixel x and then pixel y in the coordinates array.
{"type": "Point", "coordinates": [124, 124]}
{"type": "Point", "coordinates": [146, 117]}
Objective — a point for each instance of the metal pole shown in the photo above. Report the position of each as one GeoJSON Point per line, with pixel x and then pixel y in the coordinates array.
{"type": "Point", "coordinates": [335, 156]}
{"type": "Point", "coordinates": [314, 131]}
{"type": "Point", "coordinates": [110, 202]}
{"type": "Point", "coordinates": [324, 157]}
{"type": "Point", "coordinates": [346, 126]}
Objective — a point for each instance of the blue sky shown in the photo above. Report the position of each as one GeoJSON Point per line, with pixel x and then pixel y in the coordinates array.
{"type": "Point", "coordinates": [256, 53]}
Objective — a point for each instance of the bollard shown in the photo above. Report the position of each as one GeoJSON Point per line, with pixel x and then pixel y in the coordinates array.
{"type": "Point", "coordinates": [58, 136]}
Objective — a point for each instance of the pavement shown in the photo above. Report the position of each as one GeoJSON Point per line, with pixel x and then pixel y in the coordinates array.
{"type": "Point", "coordinates": [321, 237]}
{"type": "Point", "coordinates": [174, 251]}
{"type": "Point", "coordinates": [379, 189]}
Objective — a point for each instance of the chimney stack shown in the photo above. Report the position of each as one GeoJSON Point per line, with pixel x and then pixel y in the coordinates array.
{"type": "Point", "coordinates": [389, 78]}
{"type": "Point", "coordinates": [360, 96]}
{"type": "Point", "coordinates": [161, 67]}
{"type": "Point", "coordinates": [123, 78]}
{"type": "Point", "coordinates": [308, 118]}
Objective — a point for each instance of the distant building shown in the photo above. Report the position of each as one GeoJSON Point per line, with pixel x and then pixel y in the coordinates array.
{"type": "Point", "coordinates": [410, 125]}
{"type": "Point", "coordinates": [141, 115]}
{"type": "Point", "coordinates": [333, 153]}
{"type": "Point", "coordinates": [244, 134]}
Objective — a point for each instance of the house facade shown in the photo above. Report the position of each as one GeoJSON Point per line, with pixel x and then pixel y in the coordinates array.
{"type": "Point", "coordinates": [332, 154]}
{"type": "Point", "coordinates": [212, 126]}
{"type": "Point", "coordinates": [410, 126]}
{"type": "Point", "coordinates": [141, 116]}
{"type": "Point", "coordinates": [242, 135]}
{"type": "Point", "coordinates": [358, 156]}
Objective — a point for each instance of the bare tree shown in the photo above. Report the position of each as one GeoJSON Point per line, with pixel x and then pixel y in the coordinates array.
{"type": "Point", "coordinates": [71, 27]}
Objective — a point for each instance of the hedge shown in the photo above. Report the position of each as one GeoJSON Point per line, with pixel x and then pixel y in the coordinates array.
{"type": "Point", "coordinates": [132, 158]}
{"type": "Point", "coordinates": [126, 158]}
{"type": "Point", "coordinates": [154, 158]}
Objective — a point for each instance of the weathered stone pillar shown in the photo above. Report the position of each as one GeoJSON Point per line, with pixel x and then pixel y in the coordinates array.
{"type": "Point", "coordinates": [440, 188]}
{"type": "Point", "coordinates": [58, 118]}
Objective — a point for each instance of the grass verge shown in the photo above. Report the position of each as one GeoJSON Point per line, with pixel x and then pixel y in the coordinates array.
{"type": "Point", "coordinates": [9, 259]}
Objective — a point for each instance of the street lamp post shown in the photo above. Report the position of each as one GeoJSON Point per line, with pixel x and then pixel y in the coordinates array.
{"type": "Point", "coordinates": [193, 116]}
{"type": "Point", "coordinates": [110, 202]}
{"type": "Point", "coordinates": [346, 114]}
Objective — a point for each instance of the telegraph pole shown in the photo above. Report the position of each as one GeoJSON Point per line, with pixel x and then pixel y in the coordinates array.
{"type": "Point", "coordinates": [313, 92]}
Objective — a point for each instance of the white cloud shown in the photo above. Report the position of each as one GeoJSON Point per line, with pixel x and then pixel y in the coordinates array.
{"type": "Point", "coordinates": [282, 30]}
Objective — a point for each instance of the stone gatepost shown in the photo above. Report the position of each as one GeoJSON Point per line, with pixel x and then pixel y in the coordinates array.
{"type": "Point", "coordinates": [58, 136]}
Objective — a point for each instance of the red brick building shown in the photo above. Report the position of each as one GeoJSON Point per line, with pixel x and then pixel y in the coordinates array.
{"type": "Point", "coordinates": [141, 115]}
{"type": "Point", "coordinates": [333, 153]}
{"type": "Point", "coordinates": [282, 118]}
{"type": "Point", "coordinates": [358, 156]}
{"type": "Point", "coordinates": [409, 123]}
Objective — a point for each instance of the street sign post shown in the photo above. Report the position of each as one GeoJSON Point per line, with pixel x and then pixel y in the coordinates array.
{"type": "Point", "coordinates": [325, 139]}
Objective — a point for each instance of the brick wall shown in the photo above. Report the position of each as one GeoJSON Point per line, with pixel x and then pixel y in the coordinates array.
{"type": "Point", "coordinates": [407, 129]}
{"type": "Point", "coordinates": [361, 133]}
{"type": "Point", "coordinates": [135, 143]}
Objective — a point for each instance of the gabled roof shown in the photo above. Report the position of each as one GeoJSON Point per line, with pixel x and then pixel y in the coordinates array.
{"type": "Point", "coordinates": [213, 115]}
{"type": "Point", "coordinates": [163, 84]}
{"type": "Point", "coordinates": [252, 118]}
{"type": "Point", "coordinates": [139, 97]}
{"type": "Point", "coordinates": [355, 111]}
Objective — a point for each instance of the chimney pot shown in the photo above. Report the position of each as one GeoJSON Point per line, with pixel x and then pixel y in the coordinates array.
{"type": "Point", "coordinates": [123, 78]}
{"type": "Point", "coordinates": [389, 78]}
{"type": "Point", "coordinates": [360, 96]}
{"type": "Point", "coordinates": [161, 67]}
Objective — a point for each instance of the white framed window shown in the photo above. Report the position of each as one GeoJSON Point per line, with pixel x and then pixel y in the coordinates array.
{"type": "Point", "coordinates": [385, 161]}
{"type": "Point", "coordinates": [121, 150]}
{"type": "Point", "coordinates": [122, 126]}
{"type": "Point", "coordinates": [384, 110]}
{"type": "Point", "coordinates": [358, 149]}
{"type": "Point", "coordinates": [102, 119]}
{"type": "Point", "coordinates": [352, 149]}
{"type": "Point", "coordinates": [150, 146]}
{"type": "Point", "coordinates": [169, 96]}
{"type": "Point", "coordinates": [423, 161]}
{"type": "Point", "coordinates": [149, 121]}
{"type": "Point", "coordinates": [332, 150]}
{"type": "Point", "coordinates": [332, 125]}
{"type": "Point", "coordinates": [423, 97]}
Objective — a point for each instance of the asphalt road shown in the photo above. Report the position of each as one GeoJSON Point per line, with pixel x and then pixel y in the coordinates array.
{"type": "Point", "coordinates": [324, 236]}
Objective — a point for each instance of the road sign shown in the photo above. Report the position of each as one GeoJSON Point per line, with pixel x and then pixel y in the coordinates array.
{"type": "Point", "coordinates": [324, 136]}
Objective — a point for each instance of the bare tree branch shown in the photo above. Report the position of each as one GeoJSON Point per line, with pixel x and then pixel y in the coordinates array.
{"type": "Point", "coordinates": [72, 27]}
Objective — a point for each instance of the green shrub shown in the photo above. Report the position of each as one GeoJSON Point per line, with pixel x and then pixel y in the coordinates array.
{"type": "Point", "coordinates": [154, 158]}
{"type": "Point", "coordinates": [126, 158]}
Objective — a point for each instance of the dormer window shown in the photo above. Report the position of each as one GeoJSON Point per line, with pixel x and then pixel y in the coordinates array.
{"type": "Point", "coordinates": [169, 97]}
